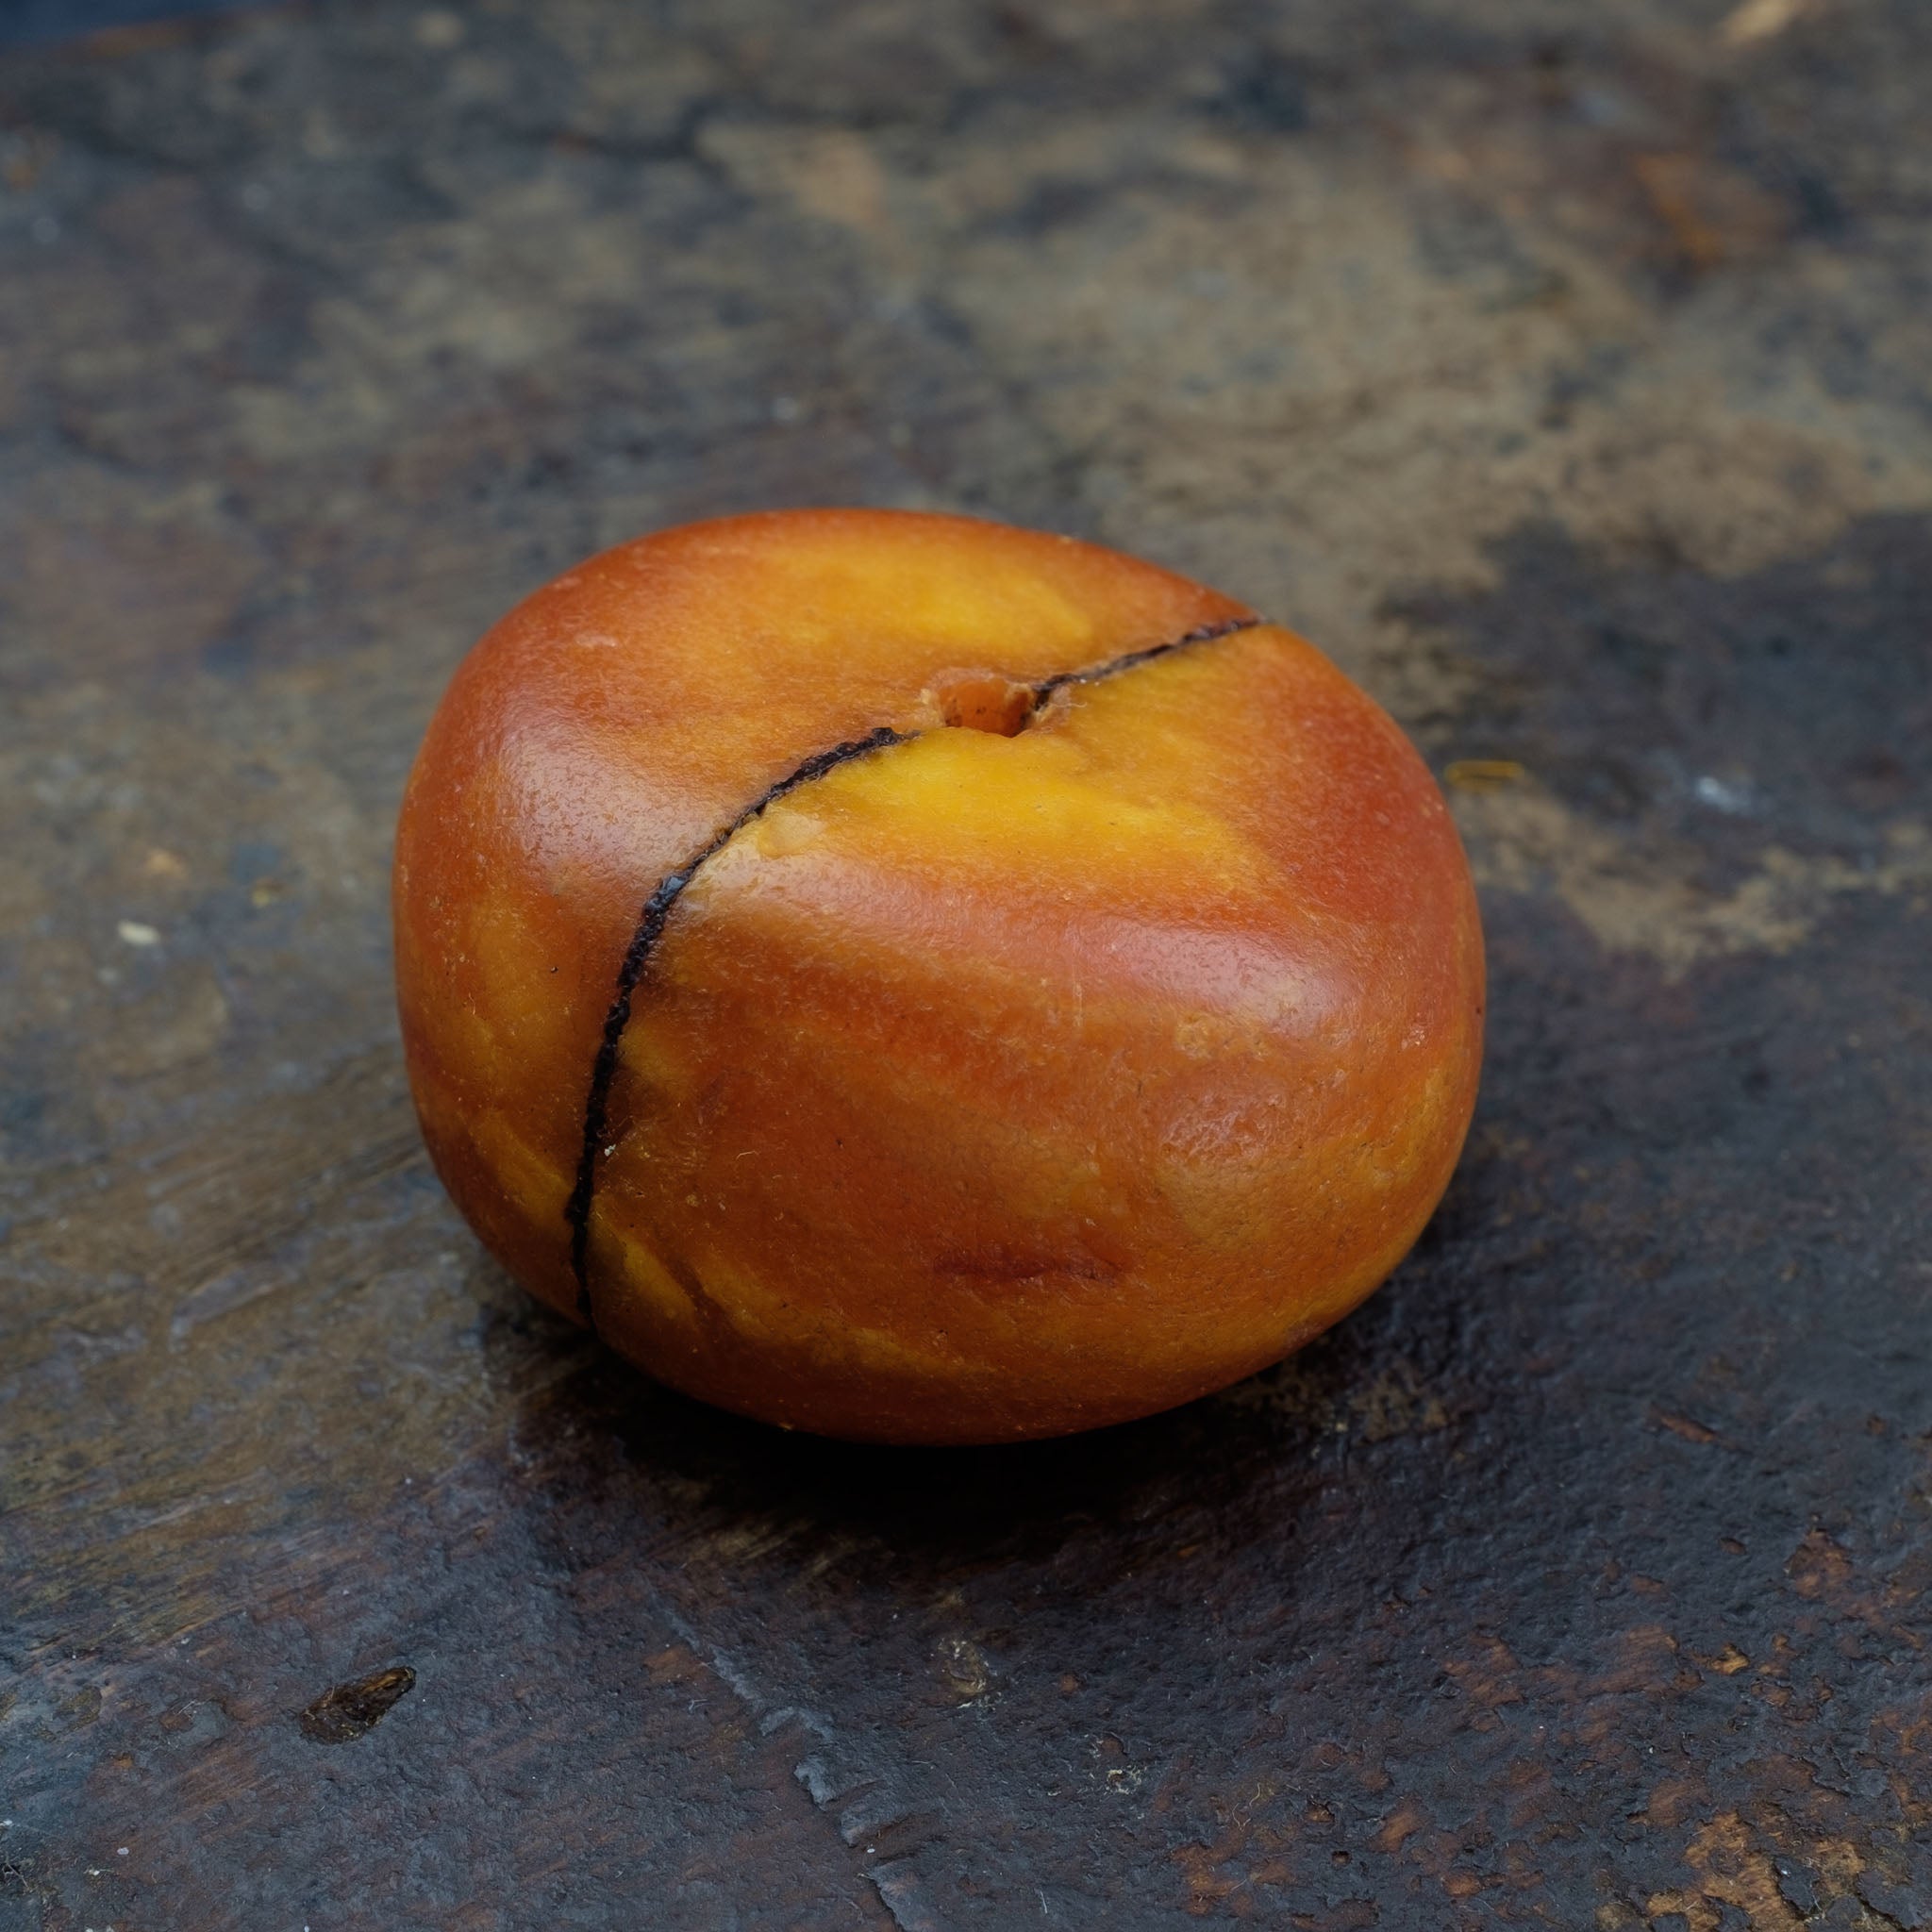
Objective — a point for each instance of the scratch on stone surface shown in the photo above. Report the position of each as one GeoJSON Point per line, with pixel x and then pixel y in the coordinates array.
{"type": "Point", "coordinates": [731, 1673]}
{"type": "Point", "coordinates": [1686, 1426]}
{"type": "Point", "coordinates": [233, 1289]}
{"type": "Point", "coordinates": [864, 1799]}
{"type": "Point", "coordinates": [1523, 839]}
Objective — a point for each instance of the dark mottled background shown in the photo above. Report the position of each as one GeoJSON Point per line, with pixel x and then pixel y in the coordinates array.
{"type": "Point", "coordinates": [1566, 369]}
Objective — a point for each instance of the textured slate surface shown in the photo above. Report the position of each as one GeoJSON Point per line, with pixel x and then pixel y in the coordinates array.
{"type": "Point", "coordinates": [1564, 370]}
{"type": "Point", "coordinates": [28, 22]}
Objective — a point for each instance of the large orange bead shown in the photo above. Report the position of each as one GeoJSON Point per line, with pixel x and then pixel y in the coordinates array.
{"type": "Point", "coordinates": [924, 981]}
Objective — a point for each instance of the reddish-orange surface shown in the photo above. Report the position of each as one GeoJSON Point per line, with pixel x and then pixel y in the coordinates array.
{"type": "Point", "coordinates": [987, 1085]}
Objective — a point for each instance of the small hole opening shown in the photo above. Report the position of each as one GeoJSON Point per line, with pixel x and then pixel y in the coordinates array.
{"type": "Point", "coordinates": [983, 701]}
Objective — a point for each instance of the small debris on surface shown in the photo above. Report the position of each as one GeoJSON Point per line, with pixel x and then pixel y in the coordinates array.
{"type": "Point", "coordinates": [349, 1709]}
{"type": "Point", "coordinates": [1483, 775]}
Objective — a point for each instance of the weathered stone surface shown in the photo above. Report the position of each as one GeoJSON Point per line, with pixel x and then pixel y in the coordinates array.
{"type": "Point", "coordinates": [1565, 372]}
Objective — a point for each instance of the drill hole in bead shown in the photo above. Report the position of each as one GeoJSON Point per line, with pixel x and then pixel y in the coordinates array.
{"type": "Point", "coordinates": [983, 701]}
